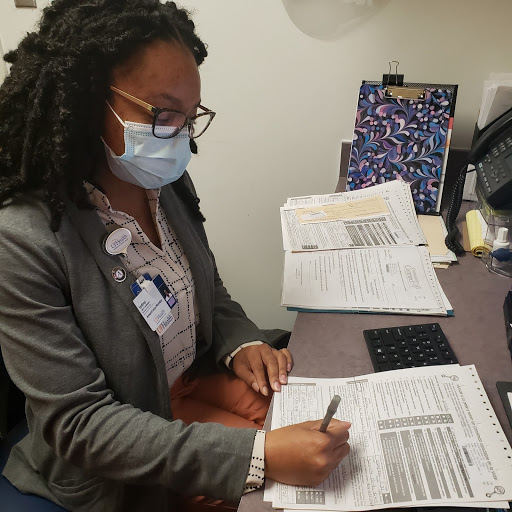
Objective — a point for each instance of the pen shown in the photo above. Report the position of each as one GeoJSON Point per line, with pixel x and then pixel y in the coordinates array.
{"type": "Point", "coordinates": [331, 411]}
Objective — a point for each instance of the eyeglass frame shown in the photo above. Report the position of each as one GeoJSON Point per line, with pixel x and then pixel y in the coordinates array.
{"type": "Point", "coordinates": [158, 110]}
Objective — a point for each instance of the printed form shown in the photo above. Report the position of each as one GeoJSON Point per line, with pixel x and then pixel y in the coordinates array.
{"type": "Point", "coordinates": [424, 436]}
{"type": "Point", "coordinates": [376, 279]}
{"type": "Point", "coordinates": [382, 215]}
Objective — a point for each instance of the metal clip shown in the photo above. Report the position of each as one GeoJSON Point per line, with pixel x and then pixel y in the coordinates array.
{"type": "Point", "coordinates": [409, 93]}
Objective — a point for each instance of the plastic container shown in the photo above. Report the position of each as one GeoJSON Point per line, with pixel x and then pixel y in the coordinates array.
{"type": "Point", "coordinates": [498, 236]}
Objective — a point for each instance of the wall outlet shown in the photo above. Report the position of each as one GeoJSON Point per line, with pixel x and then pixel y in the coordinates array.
{"type": "Point", "coordinates": [25, 3]}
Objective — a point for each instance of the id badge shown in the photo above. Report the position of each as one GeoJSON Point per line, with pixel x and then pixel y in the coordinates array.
{"type": "Point", "coordinates": [152, 305]}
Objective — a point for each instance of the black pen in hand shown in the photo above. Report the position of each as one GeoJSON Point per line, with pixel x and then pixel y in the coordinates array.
{"type": "Point", "coordinates": [331, 411]}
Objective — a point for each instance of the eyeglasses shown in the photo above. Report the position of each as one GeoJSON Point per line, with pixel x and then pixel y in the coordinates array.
{"type": "Point", "coordinates": [165, 117]}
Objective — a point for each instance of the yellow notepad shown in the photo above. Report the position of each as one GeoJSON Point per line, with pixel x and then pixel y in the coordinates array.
{"type": "Point", "coordinates": [477, 229]}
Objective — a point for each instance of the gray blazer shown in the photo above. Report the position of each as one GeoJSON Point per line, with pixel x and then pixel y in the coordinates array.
{"type": "Point", "coordinates": [98, 407]}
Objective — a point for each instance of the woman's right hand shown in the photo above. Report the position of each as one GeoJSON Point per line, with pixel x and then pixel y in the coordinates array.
{"type": "Point", "coordinates": [302, 455]}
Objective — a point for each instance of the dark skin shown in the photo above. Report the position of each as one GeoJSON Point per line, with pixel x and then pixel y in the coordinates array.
{"type": "Point", "coordinates": [165, 74]}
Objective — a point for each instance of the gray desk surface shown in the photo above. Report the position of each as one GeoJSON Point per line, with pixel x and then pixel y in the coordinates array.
{"type": "Point", "coordinates": [332, 345]}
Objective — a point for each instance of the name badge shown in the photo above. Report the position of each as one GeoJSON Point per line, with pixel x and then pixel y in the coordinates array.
{"type": "Point", "coordinates": [152, 305]}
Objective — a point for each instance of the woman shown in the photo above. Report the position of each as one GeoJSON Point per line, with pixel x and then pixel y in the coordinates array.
{"type": "Point", "coordinates": [130, 402]}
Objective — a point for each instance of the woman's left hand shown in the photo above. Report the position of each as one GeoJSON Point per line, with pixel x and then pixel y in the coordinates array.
{"type": "Point", "coordinates": [259, 365]}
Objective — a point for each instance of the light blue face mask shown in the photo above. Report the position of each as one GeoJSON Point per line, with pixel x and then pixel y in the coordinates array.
{"type": "Point", "coordinates": [147, 161]}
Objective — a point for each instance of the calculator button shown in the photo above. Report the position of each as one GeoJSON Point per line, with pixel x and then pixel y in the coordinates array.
{"type": "Point", "coordinates": [373, 335]}
{"type": "Point", "coordinates": [376, 343]}
{"type": "Point", "coordinates": [398, 334]}
{"type": "Point", "coordinates": [442, 346]}
{"type": "Point", "coordinates": [446, 354]}
{"type": "Point", "coordinates": [416, 349]}
{"type": "Point", "coordinates": [429, 351]}
{"type": "Point", "coordinates": [426, 343]}
{"type": "Point", "coordinates": [410, 332]}
{"type": "Point", "coordinates": [391, 349]}
{"type": "Point", "coordinates": [402, 344]}
{"type": "Point", "coordinates": [384, 367]}
{"type": "Point", "coordinates": [379, 351]}
{"type": "Point", "coordinates": [394, 357]}
{"type": "Point", "coordinates": [404, 351]}
{"type": "Point", "coordinates": [387, 336]}
{"type": "Point", "coordinates": [433, 327]}
{"type": "Point", "coordinates": [397, 365]}
{"type": "Point", "coordinates": [420, 329]}
{"type": "Point", "coordinates": [419, 357]}
{"type": "Point", "coordinates": [433, 359]}
{"type": "Point", "coordinates": [382, 359]}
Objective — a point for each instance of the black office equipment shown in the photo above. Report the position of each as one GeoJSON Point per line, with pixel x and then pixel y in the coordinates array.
{"type": "Point", "coordinates": [491, 154]}
{"type": "Point", "coordinates": [408, 346]}
{"type": "Point", "coordinates": [507, 313]}
{"type": "Point", "coordinates": [504, 388]}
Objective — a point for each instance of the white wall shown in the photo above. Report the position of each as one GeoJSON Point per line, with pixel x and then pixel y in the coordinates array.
{"type": "Point", "coordinates": [286, 99]}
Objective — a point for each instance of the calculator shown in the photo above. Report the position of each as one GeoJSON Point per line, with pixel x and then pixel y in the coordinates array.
{"type": "Point", "coordinates": [409, 346]}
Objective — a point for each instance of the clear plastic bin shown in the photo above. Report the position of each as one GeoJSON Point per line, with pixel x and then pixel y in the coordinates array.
{"type": "Point", "coordinates": [496, 219]}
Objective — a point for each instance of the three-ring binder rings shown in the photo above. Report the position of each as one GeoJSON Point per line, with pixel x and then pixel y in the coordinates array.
{"type": "Point", "coordinates": [403, 132]}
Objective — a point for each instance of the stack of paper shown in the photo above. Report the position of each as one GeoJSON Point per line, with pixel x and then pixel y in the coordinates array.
{"type": "Point", "coordinates": [420, 437]}
{"type": "Point", "coordinates": [496, 98]}
{"type": "Point", "coordinates": [435, 232]}
{"type": "Point", "coordinates": [358, 251]}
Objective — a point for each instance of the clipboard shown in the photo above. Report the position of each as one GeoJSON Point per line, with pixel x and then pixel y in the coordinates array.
{"type": "Point", "coordinates": [402, 131]}
{"type": "Point", "coordinates": [503, 389]}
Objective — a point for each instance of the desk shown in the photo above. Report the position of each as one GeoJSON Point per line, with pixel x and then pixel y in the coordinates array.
{"type": "Point", "coordinates": [332, 345]}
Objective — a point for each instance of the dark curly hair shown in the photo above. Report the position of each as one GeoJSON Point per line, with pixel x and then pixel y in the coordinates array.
{"type": "Point", "coordinates": [52, 102]}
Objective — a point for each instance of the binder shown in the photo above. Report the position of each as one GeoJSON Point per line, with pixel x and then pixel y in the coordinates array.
{"type": "Point", "coordinates": [402, 131]}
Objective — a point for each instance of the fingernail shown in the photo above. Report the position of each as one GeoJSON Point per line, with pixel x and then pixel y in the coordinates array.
{"type": "Point", "coordinates": [256, 387]}
{"type": "Point", "coordinates": [283, 379]}
{"type": "Point", "coordinates": [289, 367]}
{"type": "Point", "coordinates": [277, 386]}
{"type": "Point", "coordinates": [347, 424]}
{"type": "Point", "coordinates": [265, 391]}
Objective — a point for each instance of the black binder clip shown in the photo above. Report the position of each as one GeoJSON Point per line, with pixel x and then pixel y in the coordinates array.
{"type": "Point", "coordinates": [394, 79]}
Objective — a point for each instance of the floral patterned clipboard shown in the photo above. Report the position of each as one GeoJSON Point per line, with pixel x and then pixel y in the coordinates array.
{"type": "Point", "coordinates": [398, 138]}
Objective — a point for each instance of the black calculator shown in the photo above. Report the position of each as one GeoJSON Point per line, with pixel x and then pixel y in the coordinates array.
{"type": "Point", "coordinates": [409, 346]}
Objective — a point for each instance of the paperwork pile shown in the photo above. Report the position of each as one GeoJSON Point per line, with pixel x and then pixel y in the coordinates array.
{"type": "Point", "coordinates": [358, 251]}
{"type": "Point", "coordinates": [496, 98]}
{"type": "Point", "coordinates": [435, 232]}
{"type": "Point", "coordinates": [420, 437]}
